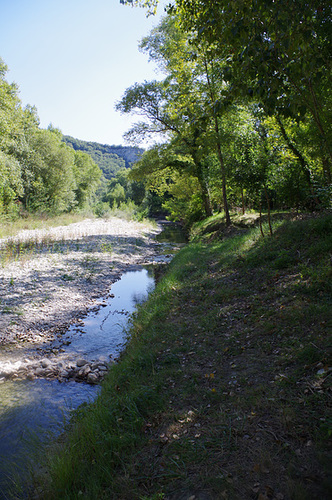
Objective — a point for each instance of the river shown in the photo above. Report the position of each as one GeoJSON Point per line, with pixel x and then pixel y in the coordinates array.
{"type": "Point", "coordinates": [34, 412]}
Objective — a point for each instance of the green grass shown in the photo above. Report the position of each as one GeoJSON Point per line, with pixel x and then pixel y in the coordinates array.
{"type": "Point", "coordinates": [223, 390]}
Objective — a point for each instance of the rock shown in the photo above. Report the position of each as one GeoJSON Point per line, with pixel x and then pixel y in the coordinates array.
{"type": "Point", "coordinates": [45, 363]}
{"type": "Point", "coordinates": [92, 378]}
{"type": "Point", "coordinates": [81, 362]}
{"type": "Point", "coordinates": [84, 371]}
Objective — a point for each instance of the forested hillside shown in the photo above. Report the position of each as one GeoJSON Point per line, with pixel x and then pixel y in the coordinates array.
{"type": "Point", "coordinates": [42, 171]}
{"type": "Point", "coordinates": [109, 158]}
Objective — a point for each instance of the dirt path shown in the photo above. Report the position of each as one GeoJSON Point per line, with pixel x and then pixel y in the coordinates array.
{"type": "Point", "coordinates": [50, 287]}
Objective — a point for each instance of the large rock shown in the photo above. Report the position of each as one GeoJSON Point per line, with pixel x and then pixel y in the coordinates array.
{"type": "Point", "coordinates": [92, 378]}
{"type": "Point", "coordinates": [81, 362]}
{"type": "Point", "coordinates": [45, 363]}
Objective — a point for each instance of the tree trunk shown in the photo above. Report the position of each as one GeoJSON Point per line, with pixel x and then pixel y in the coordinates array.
{"type": "Point", "coordinates": [204, 191]}
{"type": "Point", "coordinates": [327, 158]}
{"type": "Point", "coordinates": [327, 170]}
{"type": "Point", "coordinates": [268, 209]}
{"type": "Point", "coordinates": [218, 146]}
{"type": "Point", "coordinates": [296, 152]}
{"type": "Point", "coordinates": [223, 178]}
{"type": "Point", "coordinates": [207, 204]}
{"type": "Point", "coordinates": [260, 219]}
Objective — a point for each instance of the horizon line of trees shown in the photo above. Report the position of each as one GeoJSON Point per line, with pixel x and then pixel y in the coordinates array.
{"type": "Point", "coordinates": [240, 118]}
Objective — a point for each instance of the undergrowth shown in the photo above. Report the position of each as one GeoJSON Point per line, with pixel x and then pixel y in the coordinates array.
{"type": "Point", "coordinates": [223, 390]}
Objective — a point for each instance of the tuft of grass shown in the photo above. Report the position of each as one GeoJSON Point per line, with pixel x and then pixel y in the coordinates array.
{"type": "Point", "coordinates": [223, 390]}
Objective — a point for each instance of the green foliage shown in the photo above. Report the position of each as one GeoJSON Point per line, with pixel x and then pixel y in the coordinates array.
{"type": "Point", "coordinates": [87, 178]}
{"type": "Point", "coordinates": [110, 159]}
{"type": "Point", "coordinates": [150, 5]}
{"type": "Point", "coordinates": [38, 172]}
{"type": "Point", "coordinates": [278, 53]}
{"type": "Point", "coordinates": [247, 92]}
{"type": "Point", "coordinates": [54, 181]}
{"type": "Point", "coordinates": [11, 185]}
{"type": "Point", "coordinates": [241, 150]}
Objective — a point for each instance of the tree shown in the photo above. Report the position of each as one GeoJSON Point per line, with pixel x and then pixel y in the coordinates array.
{"type": "Point", "coordinates": [196, 73]}
{"type": "Point", "coordinates": [87, 176]}
{"type": "Point", "coordinates": [11, 118]}
{"type": "Point", "coordinates": [53, 183]}
{"type": "Point", "coordinates": [186, 106]}
{"type": "Point", "coordinates": [170, 184]}
{"type": "Point", "coordinates": [11, 186]}
{"type": "Point", "coordinates": [160, 104]}
{"type": "Point", "coordinates": [150, 5]}
{"type": "Point", "coordinates": [279, 52]}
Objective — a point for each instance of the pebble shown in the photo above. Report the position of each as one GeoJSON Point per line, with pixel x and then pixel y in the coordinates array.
{"type": "Point", "coordinates": [53, 306]}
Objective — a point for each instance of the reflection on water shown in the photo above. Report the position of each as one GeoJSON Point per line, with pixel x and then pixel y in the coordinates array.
{"type": "Point", "coordinates": [103, 333]}
{"type": "Point", "coordinates": [32, 412]}
{"type": "Point", "coordinates": [172, 232]}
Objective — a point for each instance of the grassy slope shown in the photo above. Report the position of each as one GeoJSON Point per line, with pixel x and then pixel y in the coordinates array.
{"type": "Point", "coordinates": [223, 389]}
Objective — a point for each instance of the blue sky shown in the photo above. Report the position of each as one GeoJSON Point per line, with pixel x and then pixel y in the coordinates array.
{"type": "Point", "coordinates": [73, 60]}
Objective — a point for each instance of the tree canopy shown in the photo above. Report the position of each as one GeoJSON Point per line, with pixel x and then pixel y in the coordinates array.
{"type": "Point", "coordinates": [38, 171]}
{"type": "Point", "coordinates": [245, 100]}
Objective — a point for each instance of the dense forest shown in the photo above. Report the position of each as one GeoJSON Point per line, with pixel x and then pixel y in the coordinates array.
{"type": "Point", "coordinates": [240, 120]}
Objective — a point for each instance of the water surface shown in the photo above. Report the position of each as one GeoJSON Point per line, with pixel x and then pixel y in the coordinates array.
{"type": "Point", "coordinates": [34, 412]}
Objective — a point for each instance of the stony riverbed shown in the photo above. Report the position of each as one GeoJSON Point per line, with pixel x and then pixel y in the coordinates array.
{"type": "Point", "coordinates": [52, 286]}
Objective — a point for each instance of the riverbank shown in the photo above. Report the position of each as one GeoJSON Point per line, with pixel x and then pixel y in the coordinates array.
{"type": "Point", "coordinates": [224, 390]}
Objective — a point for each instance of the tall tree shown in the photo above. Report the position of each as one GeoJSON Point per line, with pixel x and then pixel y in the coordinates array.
{"type": "Point", "coordinates": [192, 68]}
{"type": "Point", "coordinates": [11, 185]}
{"type": "Point", "coordinates": [161, 104]}
{"type": "Point", "coordinates": [280, 52]}
{"type": "Point", "coordinates": [87, 176]}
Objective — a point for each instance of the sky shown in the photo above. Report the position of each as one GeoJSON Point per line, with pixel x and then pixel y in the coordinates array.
{"type": "Point", "coordinates": [73, 60]}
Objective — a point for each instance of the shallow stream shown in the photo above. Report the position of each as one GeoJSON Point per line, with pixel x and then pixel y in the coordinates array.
{"type": "Point", "coordinates": [34, 412]}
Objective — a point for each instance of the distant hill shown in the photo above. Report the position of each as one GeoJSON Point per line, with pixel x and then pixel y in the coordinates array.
{"type": "Point", "coordinates": [109, 158]}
